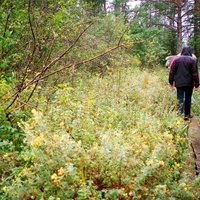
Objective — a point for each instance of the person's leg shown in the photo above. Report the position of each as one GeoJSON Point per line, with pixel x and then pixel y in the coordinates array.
{"type": "Point", "coordinates": [180, 97]}
{"type": "Point", "coordinates": [188, 100]}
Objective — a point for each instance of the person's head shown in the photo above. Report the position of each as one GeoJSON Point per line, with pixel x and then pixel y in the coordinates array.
{"type": "Point", "coordinates": [186, 51]}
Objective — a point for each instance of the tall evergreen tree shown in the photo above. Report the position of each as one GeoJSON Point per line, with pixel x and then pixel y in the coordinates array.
{"type": "Point", "coordinates": [174, 15]}
{"type": "Point", "coordinates": [197, 28]}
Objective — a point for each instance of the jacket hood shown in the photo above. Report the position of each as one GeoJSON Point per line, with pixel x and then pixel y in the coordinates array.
{"type": "Point", "coordinates": [186, 51]}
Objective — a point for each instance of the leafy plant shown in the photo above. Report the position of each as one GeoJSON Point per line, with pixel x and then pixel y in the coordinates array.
{"type": "Point", "coordinates": [120, 141]}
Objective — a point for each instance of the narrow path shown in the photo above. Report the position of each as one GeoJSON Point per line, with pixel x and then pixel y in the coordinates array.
{"type": "Point", "coordinates": [194, 138]}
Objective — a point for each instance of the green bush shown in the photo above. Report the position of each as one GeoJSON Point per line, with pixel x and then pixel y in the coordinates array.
{"type": "Point", "coordinates": [114, 137]}
{"type": "Point", "coordinates": [195, 104]}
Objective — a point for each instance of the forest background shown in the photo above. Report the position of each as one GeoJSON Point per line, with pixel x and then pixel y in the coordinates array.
{"type": "Point", "coordinates": [85, 107]}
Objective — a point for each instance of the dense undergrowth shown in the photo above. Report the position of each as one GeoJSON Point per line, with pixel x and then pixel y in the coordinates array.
{"type": "Point", "coordinates": [104, 137]}
{"type": "Point", "coordinates": [103, 128]}
{"type": "Point", "coordinates": [196, 106]}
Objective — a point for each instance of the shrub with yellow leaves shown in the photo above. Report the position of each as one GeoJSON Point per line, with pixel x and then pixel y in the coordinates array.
{"type": "Point", "coordinates": [120, 141]}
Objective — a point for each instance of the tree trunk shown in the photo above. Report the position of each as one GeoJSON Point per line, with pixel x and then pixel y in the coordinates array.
{"type": "Point", "coordinates": [179, 26]}
{"type": "Point", "coordinates": [104, 6]}
{"type": "Point", "coordinates": [173, 33]}
{"type": "Point", "coordinates": [196, 27]}
{"type": "Point", "coordinates": [117, 6]}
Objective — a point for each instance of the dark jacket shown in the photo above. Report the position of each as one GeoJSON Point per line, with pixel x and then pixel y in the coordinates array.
{"type": "Point", "coordinates": [184, 70]}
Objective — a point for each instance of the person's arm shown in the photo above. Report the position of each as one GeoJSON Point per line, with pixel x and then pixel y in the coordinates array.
{"type": "Point", "coordinates": [172, 73]}
{"type": "Point", "coordinates": [195, 74]}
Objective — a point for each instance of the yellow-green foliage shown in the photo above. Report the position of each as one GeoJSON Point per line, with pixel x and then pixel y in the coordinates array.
{"type": "Point", "coordinates": [5, 90]}
{"type": "Point", "coordinates": [196, 105]}
{"type": "Point", "coordinates": [115, 137]}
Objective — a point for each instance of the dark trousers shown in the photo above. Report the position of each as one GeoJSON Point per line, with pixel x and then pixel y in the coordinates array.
{"type": "Point", "coordinates": [184, 96]}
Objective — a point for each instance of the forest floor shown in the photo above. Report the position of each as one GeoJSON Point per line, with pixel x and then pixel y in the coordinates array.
{"type": "Point", "coordinates": [194, 137]}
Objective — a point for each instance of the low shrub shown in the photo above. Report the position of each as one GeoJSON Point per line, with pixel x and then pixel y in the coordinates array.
{"type": "Point", "coordinates": [116, 137]}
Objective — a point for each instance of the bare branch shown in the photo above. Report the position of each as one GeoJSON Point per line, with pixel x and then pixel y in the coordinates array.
{"type": "Point", "coordinates": [4, 34]}
{"type": "Point", "coordinates": [189, 11]}
{"type": "Point", "coordinates": [167, 26]}
{"type": "Point", "coordinates": [6, 25]}
{"type": "Point", "coordinates": [30, 23]}
{"type": "Point", "coordinates": [34, 47]}
{"type": "Point", "coordinates": [173, 19]}
{"type": "Point", "coordinates": [59, 70]}
{"type": "Point", "coordinates": [36, 84]}
{"type": "Point", "coordinates": [45, 68]}
{"type": "Point", "coordinates": [77, 64]}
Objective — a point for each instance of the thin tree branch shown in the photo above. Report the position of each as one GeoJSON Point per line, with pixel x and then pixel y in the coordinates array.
{"type": "Point", "coordinates": [45, 68]}
{"type": "Point", "coordinates": [167, 26]}
{"type": "Point", "coordinates": [30, 23]}
{"type": "Point", "coordinates": [189, 11]}
{"type": "Point", "coordinates": [173, 19]}
{"type": "Point", "coordinates": [34, 47]}
{"type": "Point", "coordinates": [59, 70]}
{"type": "Point", "coordinates": [4, 34]}
{"type": "Point", "coordinates": [76, 64]}
{"type": "Point", "coordinates": [6, 25]}
{"type": "Point", "coordinates": [13, 101]}
{"type": "Point", "coordinates": [36, 84]}
{"type": "Point", "coordinates": [122, 35]}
